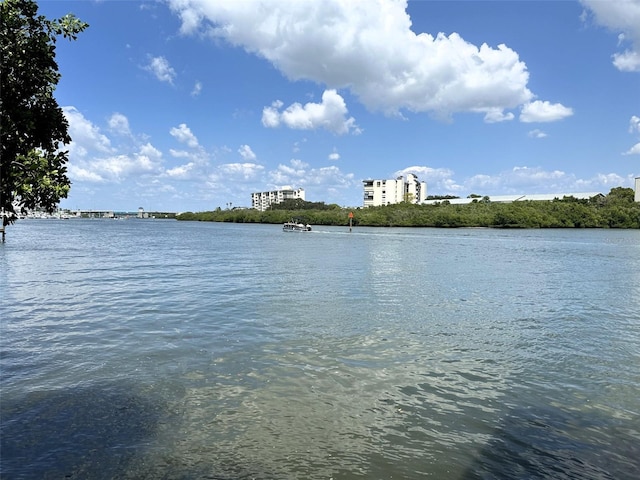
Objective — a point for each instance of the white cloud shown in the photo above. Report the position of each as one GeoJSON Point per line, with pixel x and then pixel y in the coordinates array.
{"type": "Point", "coordinates": [80, 174]}
{"type": "Point", "coordinates": [160, 67]}
{"type": "Point", "coordinates": [496, 115]}
{"type": "Point", "coordinates": [183, 134]}
{"type": "Point", "coordinates": [372, 51]}
{"type": "Point", "coordinates": [246, 153]}
{"type": "Point", "coordinates": [519, 175]}
{"type": "Point", "coordinates": [93, 158]}
{"type": "Point", "coordinates": [634, 127]}
{"type": "Point", "coordinates": [118, 167]}
{"type": "Point", "coordinates": [539, 111]}
{"type": "Point", "coordinates": [635, 150]}
{"type": "Point", "coordinates": [85, 136]}
{"type": "Point", "coordinates": [119, 124]}
{"type": "Point", "coordinates": [297, 163]}
{"type": "Point", "coordinates": [237, 171]}
{"type": "Point", "coordinates": [180, 153]}
{"type": "Point", "coordinates": [271, 115]}
{"type": "Point", "coordinates": [620, 16]}
{"type": "Point", "coordinates": [314, 180]}
{"type": "Point", "coordinates": [334, 156]}
{"type": "Point", "coordinates": [331, 115]}
{"type": "Point", "coordinates": [181, 172]}
{"type": "Point", "coordinates": [148, 158]}
{"type": "Point", "coordinates": [607, 181]}
{"type": "Point", "coordinates": [537, 134]}
{"type": "Point", "coordinates": [198, 159]}
{"type": "Point", "coordinates": [627, 61]}
{"type": "Point", "coordinates": [197, 89]}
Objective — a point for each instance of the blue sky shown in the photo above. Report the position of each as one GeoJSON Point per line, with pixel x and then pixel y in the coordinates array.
{"type": "Point", "coordinates": [183, 105]}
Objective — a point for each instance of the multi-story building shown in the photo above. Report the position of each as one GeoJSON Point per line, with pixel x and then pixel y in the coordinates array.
{"type": "Point", "coordinates": [387, 192]}
{"type": "Point", "coordinates": [637, 190]}
{"type": "Point", "coordinates": [263, 200]}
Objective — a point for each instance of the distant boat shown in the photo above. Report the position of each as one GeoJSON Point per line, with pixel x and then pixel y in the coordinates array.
{"type": "Point", "coordinates": [296, 226]}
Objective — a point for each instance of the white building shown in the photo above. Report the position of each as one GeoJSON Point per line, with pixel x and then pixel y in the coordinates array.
{"type": "Point", "coordinates": [263, 200]}
{"type": "Point", "coordinates": [387, 192]}
{"type": "Point", "coordinates": [637, 190]}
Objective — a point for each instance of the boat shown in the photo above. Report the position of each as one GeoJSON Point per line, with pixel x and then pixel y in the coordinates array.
{"type": "Point", "coordinates": [296, 226]}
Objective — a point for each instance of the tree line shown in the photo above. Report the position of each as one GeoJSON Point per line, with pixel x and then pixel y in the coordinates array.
{"type": "Point", "coordinates": [615, 210]}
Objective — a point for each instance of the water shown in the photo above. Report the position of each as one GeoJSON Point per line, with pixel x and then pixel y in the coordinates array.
{"type": "Point", "coordinates": [144, 349]}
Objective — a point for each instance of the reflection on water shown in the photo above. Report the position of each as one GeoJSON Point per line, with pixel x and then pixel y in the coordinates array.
{"type": "Point", "coordinates": [146, 349]}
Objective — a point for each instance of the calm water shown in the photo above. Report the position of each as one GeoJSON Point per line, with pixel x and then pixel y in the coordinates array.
{"type": "Point", "coordinates": [150, 349]}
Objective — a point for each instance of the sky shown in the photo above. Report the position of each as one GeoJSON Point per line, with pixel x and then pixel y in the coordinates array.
{"type": "Point", "coordinates": [190, 105]}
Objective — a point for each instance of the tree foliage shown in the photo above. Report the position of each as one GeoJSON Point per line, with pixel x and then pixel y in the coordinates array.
{"type": "Point", "coordinates": [33, 126]}
{"type": "Point", "coordinates": [616, 210]}
{"type": "Point", "coordinates": [299, 204]}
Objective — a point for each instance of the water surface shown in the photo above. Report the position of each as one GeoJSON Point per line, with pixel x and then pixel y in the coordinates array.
{"type": "Point", "coordinates": [163, 349]}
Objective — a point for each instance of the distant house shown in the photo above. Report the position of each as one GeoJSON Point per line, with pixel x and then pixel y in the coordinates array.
{"type": "Point", "coordinates": [263, 200]}
{"type": "Point", "coordinates": [387, 192]}
{"type": "Point", "coordinates": [637, 190]}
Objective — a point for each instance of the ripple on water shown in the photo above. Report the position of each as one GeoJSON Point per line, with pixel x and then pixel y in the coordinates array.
{"type": "Point", "coordinates": [194, 350]}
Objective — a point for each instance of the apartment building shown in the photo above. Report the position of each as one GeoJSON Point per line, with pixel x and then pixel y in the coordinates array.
{"type": "Point", "coordinates": [263, 200]}
{"type": "Point", "coordinates": [387, 192]}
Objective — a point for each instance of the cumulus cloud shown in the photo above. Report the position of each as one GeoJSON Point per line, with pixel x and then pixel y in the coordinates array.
{"type": "Point", "coordinates": [81, 174]}
{"type": "Point", "coordinates": [119, 124]}
{"type": "Point", "coordinates": [496, 115]}
{"type": "Point", "coordinates": [635, 150]}
{"type": "Point", "coordinates": [198, 158]}
{"type": "Point", "coordinates": [118, 167]}
{"type": "Point", "coordinates": [237, 171]}
{"type": "Point", "coordinates": [299, 174]}
{"type": "Point", "coordinates": [183, 134]}
{"type": "Point", "coordinates": [539, 111]}
{"type": "Point", "coordinates": [334, 156]}
{"type": "Point", "coordinates": [371, 51]}
{"type": "Point", "coordinates": [94, 159]}
{"type": "Point", "coordinates": [627, 61]}
{"type": "Point", "coordinates": [86, 137]}
{"type": "Point", "coordinates": [161, 69]}
{"type": "Point", "coordinates": [331, 115]}
{"type": "Point", "coordinates": [271, 115]}
{"type": "Point", "coordinates": [246, 152]}
{"type": "Point", "coordinates": [181, 172]}
{"type": "Point", "coordinates": [622, 16]}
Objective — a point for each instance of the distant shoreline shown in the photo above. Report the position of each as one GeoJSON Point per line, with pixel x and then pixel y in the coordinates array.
{"type": "Point", "coordinates": [616, 210]}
